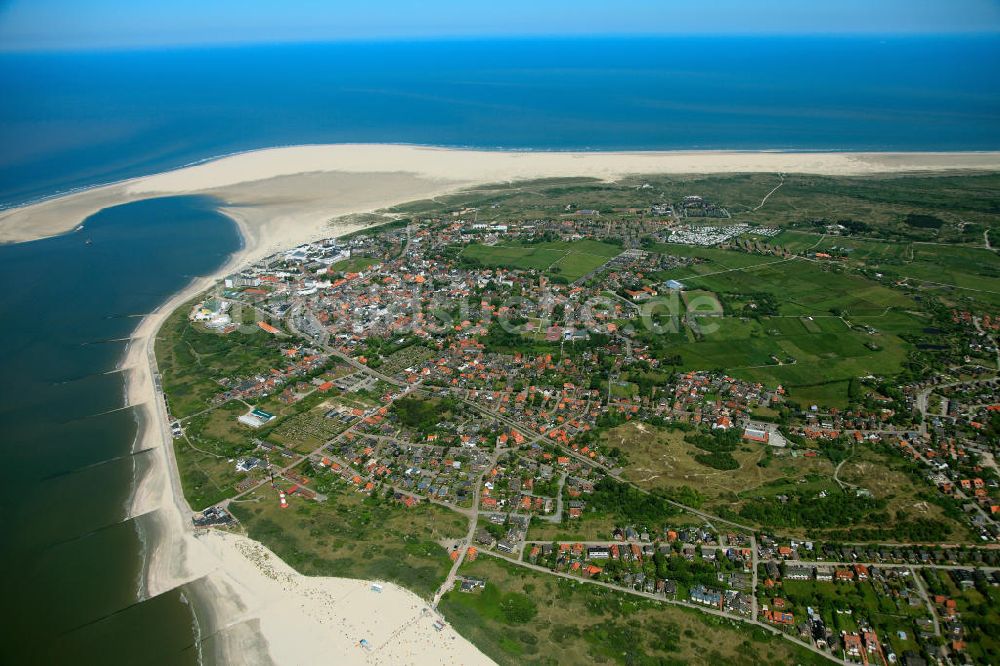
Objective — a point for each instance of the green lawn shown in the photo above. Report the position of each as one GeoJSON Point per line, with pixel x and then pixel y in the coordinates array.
{"type": "Point", "coordinates": [712, 260]}
{"type": "Point", "coordinates": [569, 259]}
{"type": "Point", "coordinates": [856, 249]}
{"type": "Point", "coordinates": [974, 271]}
{"type": "Point", "coordinates": [818, 360]}
{"type": "Point", "coordinates": [352, 265]}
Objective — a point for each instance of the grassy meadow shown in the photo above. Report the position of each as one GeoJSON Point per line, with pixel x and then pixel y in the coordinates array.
{"type": "Point", "coordinates": [568, 259]}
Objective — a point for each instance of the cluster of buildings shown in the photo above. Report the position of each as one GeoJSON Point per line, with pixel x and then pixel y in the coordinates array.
{"type": "Point", "coordinates": [214, 314]}
{"type": "Point", "coordinates": [697, 206]}
{"type": "Point", "coordinates": [380, 451]}
{"type": "Point", "coordinates": [953, 625]}
{"type": "Point", "coordinates": [524, 484]}
{"type": "Point", "coordinates": [808, 554]}
{"type": "Point", "coordinates": [385, 287]}
{"type": "Point", "coordinates": [961, 470]}
{"type": "Point", "coordinates": [639, 559]}
{"type": "Point", "coordinates": [714, 400]}
{"type": "Point", "coordinates": [858, 622]}
{"type": "Point", "coordinates": [411, 272]}
{"type": "Point", "coordinates": [705, 236]}
{"type": "Point", "coordinates": [503, 532]}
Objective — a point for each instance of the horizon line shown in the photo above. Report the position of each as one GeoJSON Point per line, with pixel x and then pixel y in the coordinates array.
{"type": "Point", "coordinates": [472, 37]}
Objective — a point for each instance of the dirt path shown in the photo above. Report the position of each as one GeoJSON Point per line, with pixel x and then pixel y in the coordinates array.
{"type": "Point", "coordinates": [836, 472]}
{"type": "Point", "coordinates": [768, 195]}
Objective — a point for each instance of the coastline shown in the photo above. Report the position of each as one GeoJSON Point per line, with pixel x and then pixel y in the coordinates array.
{"type": "Point", "coordinates": [249, 606]}
{"type": "Point", "coordinates": [280, 198]}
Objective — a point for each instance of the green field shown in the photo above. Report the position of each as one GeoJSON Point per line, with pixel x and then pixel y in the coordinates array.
{"type": "Point", "coordinates": [352, 265]}
{"type": "Point", "coordinates": [806, 288]}
{"type": "Point", "coordinates": [568, 259]}
{"type": "Point", "coordinates": [587, 528]}
{"type": "Point", "coordinates": [711, 260]}
{"type": "Point", "coordinates": [810, 361]}
{"type": "Point", "coordinates": [972, 272]}
{"type": "Point", "coordinates": [808, 343]}
{"type": "Point", "coordinates": [855, 249]}
{"type": "Point", "coordinates": [701, 302]}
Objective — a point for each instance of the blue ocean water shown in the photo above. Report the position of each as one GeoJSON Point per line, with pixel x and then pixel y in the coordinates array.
{"type": "Point", "coordinates": [71, 555]}
{"type": "Point", "coordinates": [76, 119]}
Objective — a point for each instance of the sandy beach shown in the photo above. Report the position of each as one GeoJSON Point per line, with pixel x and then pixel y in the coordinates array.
{"type": "Point", "coordinates": [264, 611]}
{"type": "Point", "coordinates": [312, 620]}
{"type": "Point", "coordinates": [287, 195]}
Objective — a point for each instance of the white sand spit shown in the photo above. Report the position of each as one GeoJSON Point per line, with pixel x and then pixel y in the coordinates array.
{"type": "Point", "coordinates": [299, 188]}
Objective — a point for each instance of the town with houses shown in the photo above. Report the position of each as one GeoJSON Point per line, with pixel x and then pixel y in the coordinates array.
{"type": "Point", "coordinates": [481, 367]}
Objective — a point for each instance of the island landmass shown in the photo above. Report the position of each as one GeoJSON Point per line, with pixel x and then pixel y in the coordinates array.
{"type": "Point", "coordinates": [544, 407]}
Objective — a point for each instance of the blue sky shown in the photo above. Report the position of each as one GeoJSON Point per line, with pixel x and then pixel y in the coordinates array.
{"type": "Point", "coordinates": [72, 24]}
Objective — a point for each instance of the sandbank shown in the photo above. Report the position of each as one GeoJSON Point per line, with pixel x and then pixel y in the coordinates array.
{"type": "Point", "coordinates": [294, 191]}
